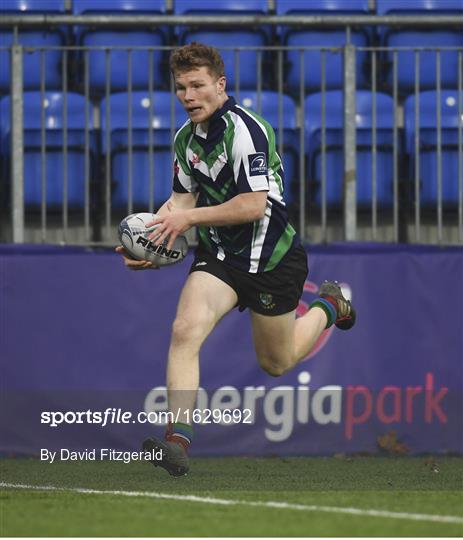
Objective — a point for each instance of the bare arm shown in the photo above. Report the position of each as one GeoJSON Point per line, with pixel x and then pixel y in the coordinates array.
{"type": "Point", "coordinates": [178, 201]}
{"type": "Point", "coordinates": [243, 208]}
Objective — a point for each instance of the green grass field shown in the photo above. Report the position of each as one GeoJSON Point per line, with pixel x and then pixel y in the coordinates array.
{"type": "Point", "coordinates": [416, 493]}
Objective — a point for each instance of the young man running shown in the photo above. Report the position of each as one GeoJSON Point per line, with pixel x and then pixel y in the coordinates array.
{"type": "Point", "coordinates": [228, 182]}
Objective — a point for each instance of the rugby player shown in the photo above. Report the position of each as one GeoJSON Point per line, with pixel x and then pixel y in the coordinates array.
{"type": "Point", "coordinates": [229, 182]}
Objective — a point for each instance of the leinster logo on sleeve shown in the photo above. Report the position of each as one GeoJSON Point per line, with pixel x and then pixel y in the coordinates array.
{"type": "Point", "coordinates": [257, 164]}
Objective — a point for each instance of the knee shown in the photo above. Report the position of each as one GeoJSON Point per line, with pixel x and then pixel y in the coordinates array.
{"type": "Point", "coordinates": [273, 371]}
{"type": "Point", "coordinates": [274, 368]}
{"type": "Point", "coordinates": [185, 331]}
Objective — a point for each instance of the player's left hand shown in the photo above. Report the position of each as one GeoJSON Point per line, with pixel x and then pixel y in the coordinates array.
{"type": "Point", "coordinates": [176, 222]}
{"type": "Point", "coordinates": [133, 264]}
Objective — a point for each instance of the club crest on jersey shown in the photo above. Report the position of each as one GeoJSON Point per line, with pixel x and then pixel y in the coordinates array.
{"type": "Point", "coordinates": [266, 300]}
{"type": "Point", "coordinates": [257, 164]}
{"type": "Point", "coordinates": [195, 159]}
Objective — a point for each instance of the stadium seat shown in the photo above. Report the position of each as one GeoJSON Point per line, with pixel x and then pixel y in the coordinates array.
{"type": "Point", "coordinates": [268, 105]}
{"type": "Point", "coordinates": [34, 38]}
{"type": "Point", "coordinates": [435, 38]}
{"type": "Point", "coordinates": [52, 106]}
{"type": "Point", "coordinates": [428, 144]}
{"type": "Point", "coordinates": [230, 40]}
{"type": "Point", "coordinates": [3, 164]}
{"type": "Point", "coordinates": [162, 124]}
{"type": "Point", "coordinates": [334, 124]}
{"type": "Point", "coordinates": [213, 6]}
{"type": "Point", "coordinates": [327, 38]}
{"type": "Point", "coordinates": [118, 42]}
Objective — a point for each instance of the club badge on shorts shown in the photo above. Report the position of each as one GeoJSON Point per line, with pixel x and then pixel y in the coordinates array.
{"type": "Point", "coordinates": [266, 300]}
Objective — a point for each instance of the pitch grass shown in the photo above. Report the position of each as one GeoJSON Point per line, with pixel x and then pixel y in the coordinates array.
{"type": "Point", "coordinates": [412, 485]}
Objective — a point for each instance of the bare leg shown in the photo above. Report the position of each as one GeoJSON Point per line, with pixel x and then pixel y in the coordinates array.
{"type": "Point", "coordinates": [282, 341]}
{"type": "Point", "coordinates": [205, 299]}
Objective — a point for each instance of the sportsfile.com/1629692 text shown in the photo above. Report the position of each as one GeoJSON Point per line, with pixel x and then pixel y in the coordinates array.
{"type": "Point", "coordinates": [113, 415]}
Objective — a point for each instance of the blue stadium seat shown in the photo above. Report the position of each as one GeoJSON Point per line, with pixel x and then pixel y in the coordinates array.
{"type": "Point", "coordinates": [51, 37]}
{"type": "Point", "coordinates": [428, 165]}
{"type": "Point", "coordinates": [125, 39]}
{"type": "Point", "coordinates": [268, 107]}
{"type": "Point", "coordinates": [228, 44]}
{"type": "Point", "coordinates": [414, 38]}
{"type": "Point", "coordinates": [232, 38]}
{"type": "Point", "coordinates": [318, 6]}
{"type": "Point", "coordinates": [162, 124]}
{"type": "Point", "coordinates": [334, 120]}
{"type": "Point", "coordinates": [53, 106]}
{"type": "Point", "coordinates": [213, 6]}
{"type": "Point", "coordinates": [28, 6]}
{"type": "Point", "coordinates": [327, 38]}
{"type": "Point", "coordinates": [4, 159]}
{"type": "Point", "coordinates": [383, 7]}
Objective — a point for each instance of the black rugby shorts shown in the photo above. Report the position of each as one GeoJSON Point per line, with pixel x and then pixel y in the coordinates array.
{"type": "Point", "coordinates": [269, 293]}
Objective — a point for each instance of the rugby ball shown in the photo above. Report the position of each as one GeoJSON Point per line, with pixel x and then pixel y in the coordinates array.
{"type": "Point", "coordinates": [133, 235]}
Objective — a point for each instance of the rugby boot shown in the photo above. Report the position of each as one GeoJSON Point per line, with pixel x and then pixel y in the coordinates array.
{"type": "Point", "coordinates": [345, 312]}
{"type": "Point", "coordinates": [174, 457]}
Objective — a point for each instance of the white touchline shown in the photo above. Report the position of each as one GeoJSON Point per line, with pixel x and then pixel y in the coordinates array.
{"type": "Point", "coordinates": [234, 502]}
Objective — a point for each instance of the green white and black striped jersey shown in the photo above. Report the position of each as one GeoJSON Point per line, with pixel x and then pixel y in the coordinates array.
{"type": "Point", "coordinates": [236, 155]}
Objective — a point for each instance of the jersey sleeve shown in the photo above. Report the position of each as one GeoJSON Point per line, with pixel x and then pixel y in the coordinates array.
{"type": "Point", "coordinates": [250, 154]}
{"type": "Point", "coordinates": [183, 181]}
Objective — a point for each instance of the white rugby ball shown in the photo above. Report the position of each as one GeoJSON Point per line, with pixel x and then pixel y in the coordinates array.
{"type": "Point", "coordinates": [133, 235]}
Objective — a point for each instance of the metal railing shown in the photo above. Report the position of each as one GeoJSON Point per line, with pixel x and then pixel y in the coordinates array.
{"type": "Point", "coordinates": [403, 218]}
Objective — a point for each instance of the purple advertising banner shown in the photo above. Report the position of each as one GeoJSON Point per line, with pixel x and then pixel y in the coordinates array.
{"type": "Point", "coordinates": [84, 342]}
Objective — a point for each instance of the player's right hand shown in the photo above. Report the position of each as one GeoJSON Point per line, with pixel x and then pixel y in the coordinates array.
{"type": "Point", "coordinates": [133, 264]}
